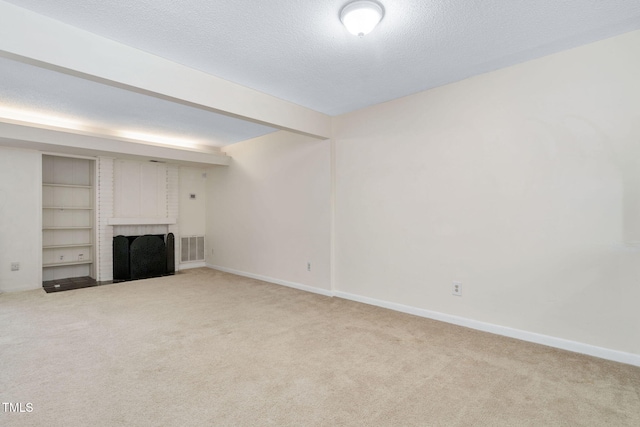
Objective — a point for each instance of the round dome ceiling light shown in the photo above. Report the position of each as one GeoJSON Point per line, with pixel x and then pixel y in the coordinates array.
{"type": "Point", "coordinates": [362, 16]}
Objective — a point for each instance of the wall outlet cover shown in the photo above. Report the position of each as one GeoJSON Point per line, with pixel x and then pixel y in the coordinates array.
{"type": "Point", "coordinates": [456, 288]}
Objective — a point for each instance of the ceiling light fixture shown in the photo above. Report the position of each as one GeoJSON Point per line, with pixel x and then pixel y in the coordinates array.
{"type": "Point", "coordinates": [362, 16]}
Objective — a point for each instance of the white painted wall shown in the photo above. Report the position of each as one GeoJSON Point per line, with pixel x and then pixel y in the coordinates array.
{"type": "Point", "coordinates": [193, 211]}
{"type": "Point", "coordinates": [524, 184]}
{"type": "Point", "coordinates": [140, 189]}
{"type": "Point", "coordinates": [104, 231]}
{"type": "Point", "coordinates": [173, 207]}
{"type": "Point", "coordinates": [20, 219]}
{"type": "Point", "coordinates": [268, 212]}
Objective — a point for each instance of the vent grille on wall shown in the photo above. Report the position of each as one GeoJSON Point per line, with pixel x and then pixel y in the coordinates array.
{"type": "Point", "coordinates": [192, 248]}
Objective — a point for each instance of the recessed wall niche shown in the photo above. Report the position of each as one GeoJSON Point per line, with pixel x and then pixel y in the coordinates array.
{"type": "Point", "coordinates": [67, 221]}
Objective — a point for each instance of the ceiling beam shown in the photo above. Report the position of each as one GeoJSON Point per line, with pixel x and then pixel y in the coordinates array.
{"type": "Point", "coordinates": [49, 139]}
{"type": "Point", "coordinates": [38, 40]}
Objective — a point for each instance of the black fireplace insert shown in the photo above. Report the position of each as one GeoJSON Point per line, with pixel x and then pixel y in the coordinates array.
{"type": "Point", "coordinates": [142, 257]}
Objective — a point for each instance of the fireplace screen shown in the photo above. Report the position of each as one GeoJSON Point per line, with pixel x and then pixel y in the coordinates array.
{"type": "Point", "coordinates": [141, 257]}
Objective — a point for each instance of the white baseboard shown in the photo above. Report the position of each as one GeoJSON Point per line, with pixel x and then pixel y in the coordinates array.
{"type": "Point", "coordinates": [574, 346]}
{"type": "Point", "coordinates": [288, 284]}
{"type": "Point", "coordinates": [563, 344]}
{"type": "Point", "coordinates": [188, 265]}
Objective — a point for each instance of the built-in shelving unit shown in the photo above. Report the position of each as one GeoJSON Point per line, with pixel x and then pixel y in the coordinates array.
{"type": "Point", "coordinates": [67, 217]}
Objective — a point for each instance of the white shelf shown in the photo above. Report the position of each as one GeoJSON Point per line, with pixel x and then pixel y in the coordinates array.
{"type": "Point", "coordinates": [66, 185]}
{"type": "Point", "coordinates": [76, 245]}
{"type": "Point", "coordinates": [68, 228]}
{"type": "Point", "coordinates": [66, 263]}
{"type": "Point", "coordinates": [67, 208]}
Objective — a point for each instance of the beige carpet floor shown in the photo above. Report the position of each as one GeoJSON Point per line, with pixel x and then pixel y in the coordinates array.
{"type": "Point", "coordinates": [206, 348]}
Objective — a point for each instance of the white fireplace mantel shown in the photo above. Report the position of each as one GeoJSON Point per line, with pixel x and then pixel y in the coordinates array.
{"type": "Point", "coordinates": [141, 221]}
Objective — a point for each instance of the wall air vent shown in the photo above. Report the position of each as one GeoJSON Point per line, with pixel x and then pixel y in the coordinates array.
{"type": "Point", "coordinates": [192, 248]}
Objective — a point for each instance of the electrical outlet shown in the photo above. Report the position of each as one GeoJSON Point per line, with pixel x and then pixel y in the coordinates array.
{"type": "Point", "coordinates": [61, 257]}
{"type": "Point", "coordinates": [15, 266]}
{"type": "Point", "coordinates": [456, 288]}
{"type": "Point", "coordinates": [308, 266]}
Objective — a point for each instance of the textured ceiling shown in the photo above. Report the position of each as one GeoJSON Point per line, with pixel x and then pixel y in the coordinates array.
{"type": "Point", "coordinates": [297, 50]}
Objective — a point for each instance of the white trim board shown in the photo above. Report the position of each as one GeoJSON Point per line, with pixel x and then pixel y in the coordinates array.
{"type": "Point", "coordinates": [294, 285]}
{"type": "Point", "coordinates": [574, 346]}
{"type": "Point", "coordinates": [560, 343]}
{"type": "Point", "coordinates": [141, 221]}
{"type": "Point", "coordinates": [190, 265]}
